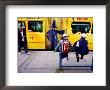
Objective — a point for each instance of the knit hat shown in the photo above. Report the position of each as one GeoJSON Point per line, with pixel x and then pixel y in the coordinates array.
{"type": "Point", "coordinates": [83, 35]}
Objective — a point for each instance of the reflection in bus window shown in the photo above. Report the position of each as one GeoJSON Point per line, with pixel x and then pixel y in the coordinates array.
{"type": "Point", "coordinates": [21, 24]}
{"type": "Point", "coordinates": [83, 27]}
{"type": "Point", "coordinates": [35, 26]}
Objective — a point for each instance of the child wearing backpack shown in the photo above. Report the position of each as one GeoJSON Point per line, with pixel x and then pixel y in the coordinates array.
{"type": "Point", "coordinates": [64, 46]}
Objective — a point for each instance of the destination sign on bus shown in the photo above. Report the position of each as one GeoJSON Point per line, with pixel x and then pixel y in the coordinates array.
{"type": "Point", "coordinates": [80, 18]}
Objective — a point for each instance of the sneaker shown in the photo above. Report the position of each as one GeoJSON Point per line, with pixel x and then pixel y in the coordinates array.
{"type": "Point", "coordinates": [28, 53]}
{"type": "Point", "coordinates": [19, 53]}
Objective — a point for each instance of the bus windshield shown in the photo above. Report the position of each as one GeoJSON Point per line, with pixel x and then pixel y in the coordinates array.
{"type": "Point", "coordinates": [83, 27]}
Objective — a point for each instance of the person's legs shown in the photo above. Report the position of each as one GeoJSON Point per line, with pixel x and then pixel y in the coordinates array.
{"type": "Point", "coordinates": [60, 59]}
{"type": "Point", "coordinates": [61, 56]}
{"type": "Point", "coordinates": [77, 56]}
{"type": "Point", "coordinates": [25, 48]}
{"type": "Point", "coordinates": [19, 47]}
{"type": "Point", "coordinates": [52, 45]}
{"type": "Point", "coordinates": [67, 57]}
{"type": "Point", "coordinates": [82, 56]}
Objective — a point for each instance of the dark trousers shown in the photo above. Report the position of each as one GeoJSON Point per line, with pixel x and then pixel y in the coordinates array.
{"type": "Point", "coordinates": [77, 56]}
{"type": "Point", "coordinates": [61, 56]}
{"type": "Point", "coordinates": [22, 44]}
{"type": "Point", "coordinates": [52, 45]}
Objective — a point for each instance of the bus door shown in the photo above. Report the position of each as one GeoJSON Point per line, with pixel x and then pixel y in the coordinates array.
{"type": "Point", "coordinates": [36, 34]}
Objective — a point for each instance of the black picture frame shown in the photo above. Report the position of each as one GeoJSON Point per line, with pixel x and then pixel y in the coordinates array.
{"type": "Point", "coordinates": [4, 3]}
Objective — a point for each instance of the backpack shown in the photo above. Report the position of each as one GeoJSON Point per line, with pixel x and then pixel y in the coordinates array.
{"type": "Point", "coordinates": [65, 46]}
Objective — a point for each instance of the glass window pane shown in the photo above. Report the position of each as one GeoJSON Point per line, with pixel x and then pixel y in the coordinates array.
{"type": "Point", "coordinates": [21, 24]}
{"type": "Point", "coordinates": [83, 27]}
{"type": "Point", "coordinates": [35, 26]}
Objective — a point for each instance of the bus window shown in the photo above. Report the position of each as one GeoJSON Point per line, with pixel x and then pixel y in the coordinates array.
{"type": "Point", "coordinates": [83, 27]}
{"type": "Point", "coordinates": [35, 26]}
{"type": "Point", "coordinates": [21, 24]}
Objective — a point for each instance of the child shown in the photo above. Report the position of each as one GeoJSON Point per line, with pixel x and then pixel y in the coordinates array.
{"type": "Point", "coordinates": [64, 46]}
{"type": "Point", "coordinates": [82, 47]}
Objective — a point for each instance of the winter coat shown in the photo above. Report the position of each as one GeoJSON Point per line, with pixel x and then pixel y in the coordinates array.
{"type": "Point", "coordinates": [20, 36]}
{"type": "Point", "coordinates": [83, 46]}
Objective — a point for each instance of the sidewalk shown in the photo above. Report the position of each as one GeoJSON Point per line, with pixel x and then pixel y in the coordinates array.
{"type": "Point", "coordinates": [48, 61]}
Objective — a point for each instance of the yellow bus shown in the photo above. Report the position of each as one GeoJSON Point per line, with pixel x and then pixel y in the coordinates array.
{"type": "Point", "coordinates": [37, 28]}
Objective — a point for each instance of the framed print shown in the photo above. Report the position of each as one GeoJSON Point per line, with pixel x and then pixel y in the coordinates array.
{"type": "Point", "coordinates": [61, 43]}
